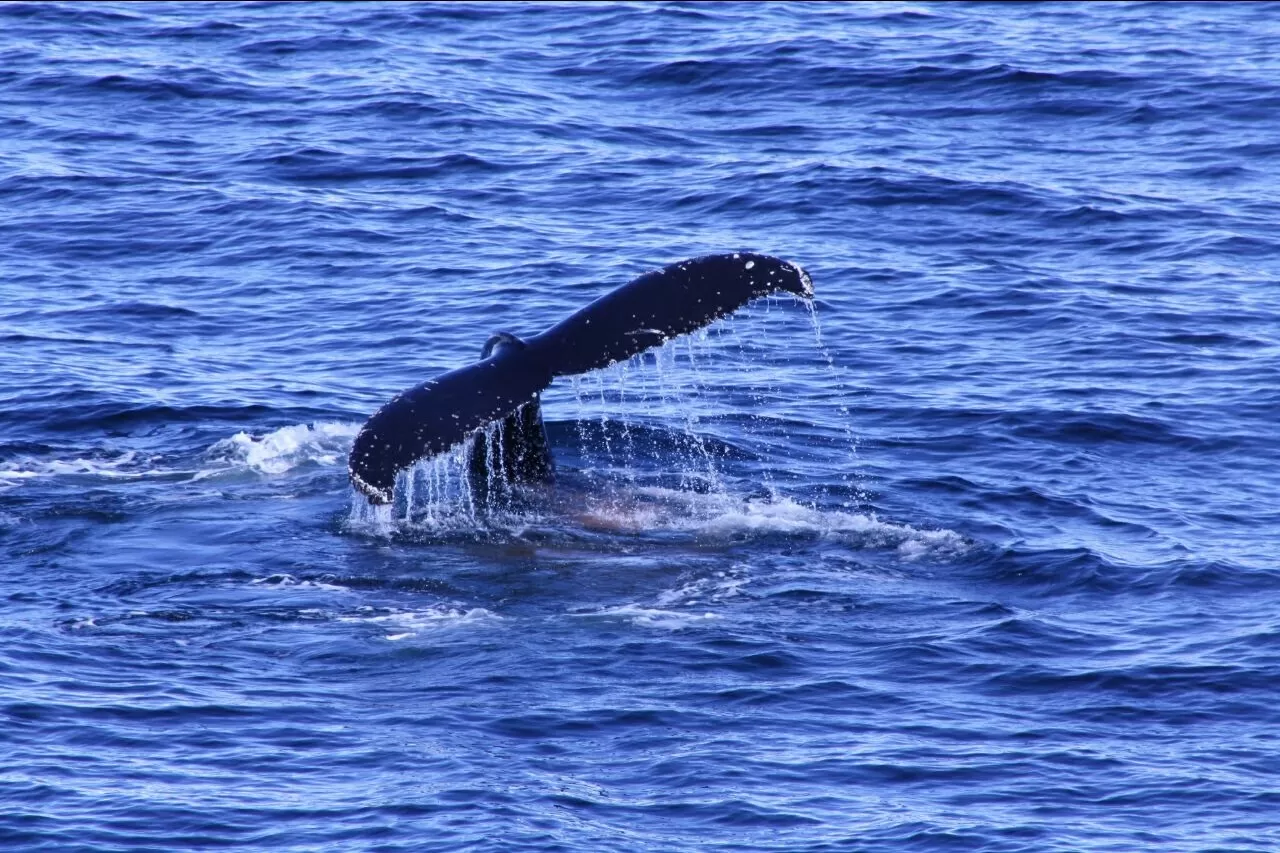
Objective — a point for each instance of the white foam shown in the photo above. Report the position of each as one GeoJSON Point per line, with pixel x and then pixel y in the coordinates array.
{"type": "Point", "coordinates": [721, 516]}
{"type": "Point", "coordinates": [649, 617]}
{"type": "Point", "coordinates": [284, 449]}
{"type": "Point", "coordinates": [649, 510]}
{"type": "Point", "coordinates": [11, 478]}
{"type": "Point", "coordinates": [403, 624]}
{"type": "Point", "coordinates": [863, 530]}
{"type": "Point", "coordinates": [685, 606]}
{"type": "Point", "coordinates": [276, 452]}
{"type": "Point", "coordinates": [122, 466]}
{"type": "Point", "coordinates": [290, 582]}
{"type": "Point", "coordinates": [701, 591]}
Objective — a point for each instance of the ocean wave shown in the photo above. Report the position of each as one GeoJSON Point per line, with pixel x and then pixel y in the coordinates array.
{"type": "Point", "coordinates": [131, 309]}
{"type": "Point", "coordinates": [284, 449]}
{"type": "Point", "coordinates": [101, 343]}
{"type": "Point", "coordinates": [397, 624]}
{"type": "Point", "coordinates": [276, 452]}
{"type": "Point", "coordinates": [74, 408]}
{"type": "Point", "coordinates": [111, 465]}
{"type": "Point", "coordinates": [695, 602]}
{"type": "Point", "coordinates": [788, 517]}
{"type": "Point", "coordinates": [648, 617]}
{"type": "Point", "coordinates": [712, 589]}
{"type": "Point", "coordinates": [308, 44]}
{"type": "Point", "coordinates": [289, 582]}
{"type": "Point", "coordinates": [651, 513]}
{"type": "Point", "coordinates": [180, 623]}
{"type": "Point", "coordinates": [319, 164]}
{"type": "Point", "coordinates": [1035, 604]}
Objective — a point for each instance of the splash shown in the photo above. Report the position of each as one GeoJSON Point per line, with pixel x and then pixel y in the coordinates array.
{"type": "Point", "coordinates": [437, 497]}
{"type": "Point", "coordinates": [836, 379]}
{"type": "Point", "coordinates": [277, 452]}
{"type": "Point", "coordinates": [369, 519]}
{"type": "Point", "coordinates": [651, 422]}
{"type": "Point", "coordinates": [284, 449]}
{"type": "Point", "coordinates": [650, 388]}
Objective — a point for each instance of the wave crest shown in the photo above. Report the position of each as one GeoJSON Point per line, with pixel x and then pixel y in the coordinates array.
{"type": "Point", "coordinates": [286, 448]}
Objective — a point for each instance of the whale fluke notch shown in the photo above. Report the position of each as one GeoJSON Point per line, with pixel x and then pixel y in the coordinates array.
{"type": "Point", "coordinates": [644, 313]}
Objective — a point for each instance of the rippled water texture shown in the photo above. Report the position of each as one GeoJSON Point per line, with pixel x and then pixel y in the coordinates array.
{"type": "Point", "coordinates": [979, 555]}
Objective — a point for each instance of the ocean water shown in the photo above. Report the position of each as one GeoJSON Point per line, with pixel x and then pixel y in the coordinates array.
{"type": "Point", "coordinates": [982, 553]}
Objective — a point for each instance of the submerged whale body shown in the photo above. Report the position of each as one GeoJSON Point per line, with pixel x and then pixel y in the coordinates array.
{"type": "Point", "coordinates": [504, 386]}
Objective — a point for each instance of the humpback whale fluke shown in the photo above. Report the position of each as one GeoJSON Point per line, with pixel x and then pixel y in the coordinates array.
{"type": "Point", "coordinates": [505, 384]}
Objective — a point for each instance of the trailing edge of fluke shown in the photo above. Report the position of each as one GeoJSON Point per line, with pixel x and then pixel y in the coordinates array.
{"type": "Point", "coordinates": [442, 412]}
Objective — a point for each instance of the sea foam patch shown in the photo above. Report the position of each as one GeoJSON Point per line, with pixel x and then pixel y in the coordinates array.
{"type": "Point", "coordinates": [276, 452]}
{"type": "Point", "coordinates": [862, 530]}
{"type": "Point", "coordinates": [403, 624]}
{"type": "Point", "coordinates": [284, 449]}
{"type": "Point", "coordinates": [672, 514]}
{"type": "Point", "coordinates": [113, 465]}
{"type": "Point", "coordinates": [649, 617]}
{"type": "Point", "coordinates": [720, 516]}
{"type": "Point", "coordinates": [289, 582]}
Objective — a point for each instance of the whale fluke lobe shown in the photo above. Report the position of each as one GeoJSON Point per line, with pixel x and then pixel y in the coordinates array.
{"type": "Point", "coordinates": [442, 412]}
{"type": "Point", "coordinates": [662, 304]}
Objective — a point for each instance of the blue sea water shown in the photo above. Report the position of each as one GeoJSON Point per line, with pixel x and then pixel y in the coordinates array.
{"type": "Point", "coordinates": [980, 554]}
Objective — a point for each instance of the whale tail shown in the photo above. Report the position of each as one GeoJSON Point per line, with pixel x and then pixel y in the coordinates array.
{"type": "Point", "coordinates": [504, 385]}
{"type": "Point", "coordinates": [511, 450]}
{"type": "Point", "coordinates": [664, 304]}
{"type": "Point", "coordinates": [432, 417]}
